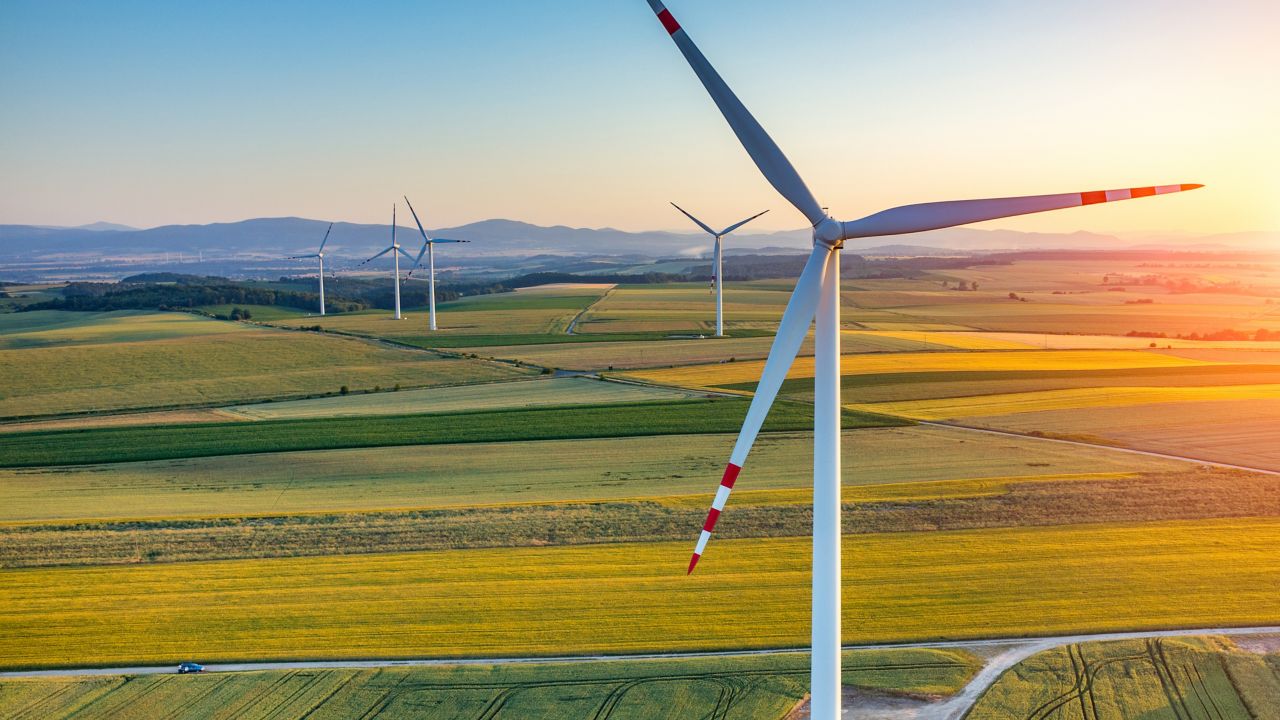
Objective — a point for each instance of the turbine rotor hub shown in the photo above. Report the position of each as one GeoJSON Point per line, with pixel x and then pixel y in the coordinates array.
{"type": "Point", "coordinates": [828, 233]}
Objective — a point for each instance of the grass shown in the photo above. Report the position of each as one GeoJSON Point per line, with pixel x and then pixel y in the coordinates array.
{"type": "Point", "coordinates": [1195, 678]}
{"type": "Point", "coordinates": [728, 687]}
{"type": "Point", "coordinates": [462, 398]}
{"type": "Point", "coordinates": [549, 471]}
{"type": "Point", "coordinates": [262, 313]}
{"type": "Point", "coordinates": [130, 444]}
{"type": "Point", "coordinates": [903, 507]}
{"type": "Point", "coordinates": [1075, 398]}
{"type": "Point", "coordinates": [636, 598]}
{"type": "Point", "coordinates": [58, 328]}
{"type": "Point", "coordinates": [988, 361]}
{"type": "Point", "coordinates": [237, 363]}
{"type": "Point", "coordinates": [1239, 432]}
{"type": "Point", "coordinates": [657, 352]}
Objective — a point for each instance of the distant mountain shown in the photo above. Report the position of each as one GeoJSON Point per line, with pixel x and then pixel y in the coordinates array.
{"type": "Point", "coordinates": [103, 225]}
{"type": "Point", "coordinates": [273, 238]}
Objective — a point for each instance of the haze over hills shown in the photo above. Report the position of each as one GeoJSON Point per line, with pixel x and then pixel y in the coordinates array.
{"type": "Point", "coordinates": [274, 237]}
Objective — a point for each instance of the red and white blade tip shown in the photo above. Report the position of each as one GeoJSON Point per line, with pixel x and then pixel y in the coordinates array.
{"type": "Point", "coordinates": [1102, 196]}
{"type": "Point", "coordinates": [664, 15]}
{"type": "Point", "coordinates": [717, 506]}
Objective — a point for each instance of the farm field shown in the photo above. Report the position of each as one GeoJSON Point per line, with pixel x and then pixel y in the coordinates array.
{"type": "Point", "coordinates": [920, 362]}
{"type": "Point", "coordinates": [959, 408]}
{"type": "Point", "coordinates": [487, 396]}
{"type": "Point", "coordinates": [1198, 678]}
{"type": "Point", "coordinates": [684, 307]}
{"type": "Point", "coordinates": [56, 328]}
{"type": "Point", "coordinates": [657, 353]}
{"type": "Point", "coordinates": [546, 310]}
{"type": "Point", "coordinates": [1230, 431]}
{"type": "Point", "coordinates": [127, 444]}
{"type": "Point", "coordinates": [433, 476]}
{"type": "Point", "coordinates": [729, 687]}
{"type": "Point", "coordinates": [635, 597]}
{"type": "Point", "coordinates": [198, 361]}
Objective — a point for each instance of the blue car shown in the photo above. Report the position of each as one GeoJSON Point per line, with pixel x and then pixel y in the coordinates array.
{"type": "Point", "coordinates": [190, 667]}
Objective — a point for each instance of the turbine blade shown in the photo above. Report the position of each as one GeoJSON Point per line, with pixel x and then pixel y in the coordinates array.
{"type": "Point", "coordinates": [375, 257]}
{"type": "Point", "coordinates": [405, 253]}
{"type": "Point", "coordinates": [737, 225]}
{"type": "Point", "coordinates": [932, 216]}
{"type": "Point", "coordinates": [447, 240]}
{"type": "Point", "coordinates": [325, 240]}
{"type": "Point", "coordinates": [786, 344]}
{"type": "Point", "coordinates": [696, 221]}
{"type": "Point", "coordinates": [418, 260]}
{"type": "Point", "coordinates": [425, 239]}
{"type": "Point", "coordinates": [301, 257]}
{"type": "Point", "coordinates": [763, 150]}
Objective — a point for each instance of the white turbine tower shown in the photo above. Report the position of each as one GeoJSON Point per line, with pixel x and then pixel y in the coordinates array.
{"type": "Point", "coordinates": [319, 255]}
{"type": "Point", "coordinates": [818, 292]}
{"type": "Point", "coordinates": [396, 251]}
{"type": "Point", "coordinates": [717, 270]}
{"type": "Point", "coordinates": [428, 247]}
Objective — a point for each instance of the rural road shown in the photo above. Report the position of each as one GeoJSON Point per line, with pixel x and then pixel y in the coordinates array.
{"type": "Point", "coordinates": [1009, 652]}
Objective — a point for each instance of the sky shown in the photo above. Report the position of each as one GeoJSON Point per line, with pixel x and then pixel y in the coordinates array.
{"type": "Point", "coordinates": [583, 113]}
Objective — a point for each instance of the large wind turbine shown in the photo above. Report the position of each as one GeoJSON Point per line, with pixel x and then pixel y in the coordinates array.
{"type": "Point", "coordinates": [396, 251]}
{"type": "Point", "coordinates": [319, 255]}
{"type": "Point", "coordinates": [818, 292]}
{"type": "Point", "coordinates": [429, 247]}
{"type": "Point", "coordinates": [717, 271]}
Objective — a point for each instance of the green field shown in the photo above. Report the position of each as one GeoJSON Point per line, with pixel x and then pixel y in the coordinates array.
{"type": "Point", "coordinates": [487, 396]}
{"type": "Point", "coordinates": [111, 362]}
{"type": "Point", "coordinates": [135, 443]}
{"type": "Point", "coordinates": [1160, 678]}
{"type": "Point", "coordinates": [728, 687]}
{"type": "Point", "coordinates": [635, 597]}
{"type": "Point", "coordinates": [436, 476]}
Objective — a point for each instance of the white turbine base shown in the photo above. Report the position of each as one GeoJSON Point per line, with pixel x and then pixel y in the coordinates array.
{"type": "Point", "coordinates": [824, 669]}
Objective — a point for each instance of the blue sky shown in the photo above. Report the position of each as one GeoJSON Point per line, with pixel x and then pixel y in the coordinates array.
{"type": "Point", "coordinates": [583, 113]}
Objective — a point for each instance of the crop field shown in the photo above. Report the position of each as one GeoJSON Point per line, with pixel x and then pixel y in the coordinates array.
{"type": "Point", "coordinates": [1160, 678]}
{"type": "Point", "coordinates": [1024, 501]}
{"type": "Point", "coordinates": [543, 311]}
{"type": "Point", "coordinates": [460, 398]}
{"type": "Point", "coordinates": [1075, 398]}
{"type": "Point", "coordinates": [683, 307]}
{"type": "Point", "coordinates": [435, 476]}
{"type": "Point", "coordinates": [1258, 348]}
{"type": "Point", "coordinates": [207, 362]}
{"type": "Point", "coordinates": [56, 328]}
{"type": "Point", "coordinates": [261, 313]}
{"type": "Point", "coordinates": [1233, 431]}
{"type": "Point", "coordinates": [128, 444]}
{"type": "Point", "coordinates": [729, 687]}
{"type": "Point", "coordinates": [636, 597]}
{"type": "Point", "coordinates": [658, 353]}
{"type": "Point", "coordinates": [877, 363]}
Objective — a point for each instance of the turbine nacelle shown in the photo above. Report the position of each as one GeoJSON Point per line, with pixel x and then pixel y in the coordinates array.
{"type": "Point", "coordinates": [829, 234]}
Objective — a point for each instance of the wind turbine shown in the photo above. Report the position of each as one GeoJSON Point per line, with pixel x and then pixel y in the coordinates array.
{"type": "Point", "coordinates": [319, 255]}
{"type": "Point", "coordinates": [717, 271]}
{"type": "Point", "coordinates": [429, 247]}
{"type": "Point", "coordinates": [817, 292]}
{"type": "Point", "coordinates": [396, 251]}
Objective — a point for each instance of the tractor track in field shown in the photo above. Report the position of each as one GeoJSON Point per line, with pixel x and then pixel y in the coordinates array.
{"type": "Point", "coordinates": [1011, 652]}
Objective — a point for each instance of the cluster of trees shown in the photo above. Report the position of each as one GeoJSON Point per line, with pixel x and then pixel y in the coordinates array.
{"type": "Point", "coordinates": [170, 295]}
{"type": "Point", "coordinates": [1257, 335]}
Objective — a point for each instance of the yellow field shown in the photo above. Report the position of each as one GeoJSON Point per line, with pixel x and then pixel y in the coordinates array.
{"type": "Point", "coordinates": [740, 372]}
{"type": "Point", "coordinates": [1109, 342]}
{"type": "Point", "coordinates": [49, 328]}
{"type": "Point", "coordinates": [957, 340]}
{"type": "Point", "coordinates": [1075, 398]}
{"type": "Point", "coordinates": [636, 598]}
{"type": "Point", "coordinates": [431, 476]}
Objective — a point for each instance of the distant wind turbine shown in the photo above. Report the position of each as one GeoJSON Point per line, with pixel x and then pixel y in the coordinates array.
{"type": "Point", "coordinates": [817, 292]}
{"type": "Point", "coordinates": [428, 247]}
{"type": "Point", "coordinates": [717, 272]}
{"type": "Point", "coordinates": [319, 255]}
{"type": "Point", "coordinates": [396, 251]}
